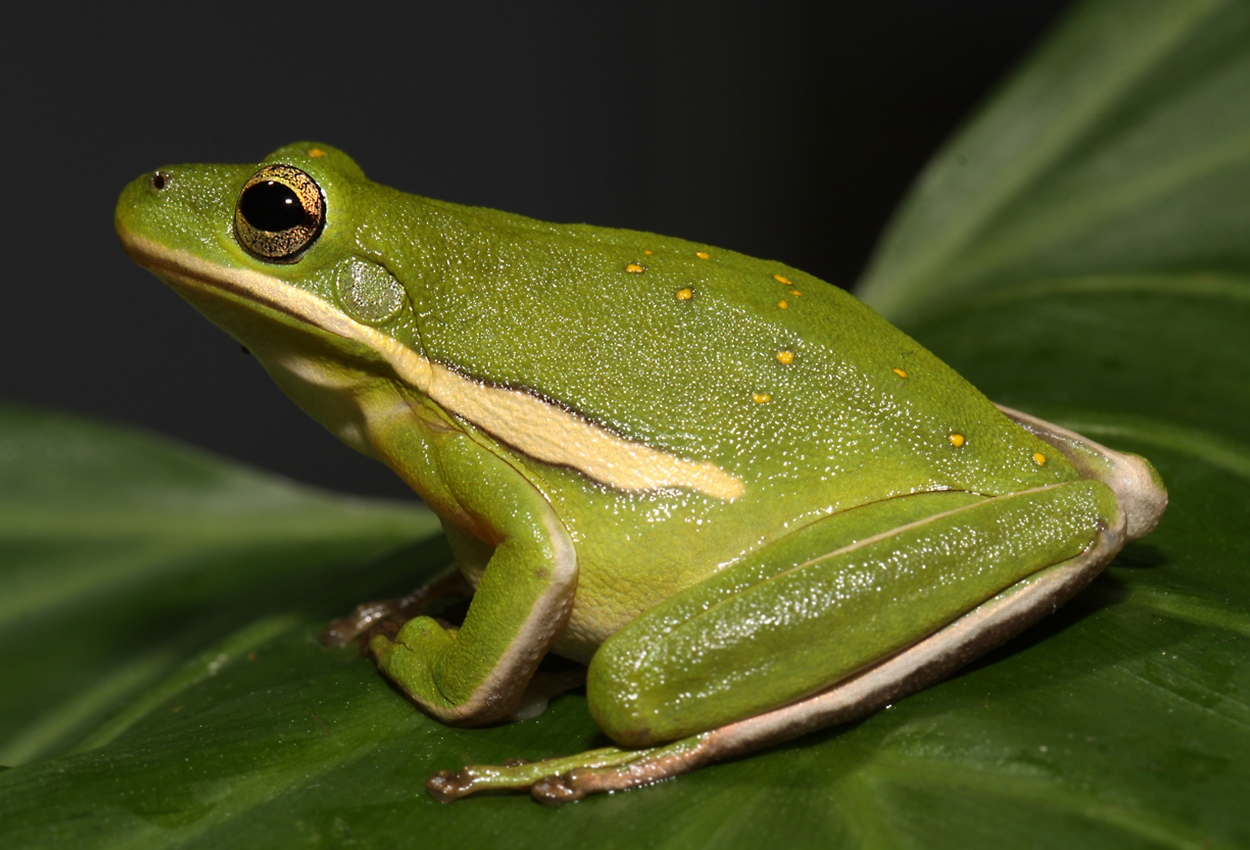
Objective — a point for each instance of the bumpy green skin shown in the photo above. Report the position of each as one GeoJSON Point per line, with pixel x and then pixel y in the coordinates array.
{"type": "Point", "coordinates": [831, 418]}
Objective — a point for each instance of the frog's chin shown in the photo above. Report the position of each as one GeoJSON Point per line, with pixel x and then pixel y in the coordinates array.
{"type": "Point", "coordinates": [241, 292]}
{"type": "Point", "coordinates": [328, 364]}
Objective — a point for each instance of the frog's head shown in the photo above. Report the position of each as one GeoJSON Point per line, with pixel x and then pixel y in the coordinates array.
{"type": "Point", "coordinates": [244, 241]}
{"type": "Point", "coordinates": [281, 255]}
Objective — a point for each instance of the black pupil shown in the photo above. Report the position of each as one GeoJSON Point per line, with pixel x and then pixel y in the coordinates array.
{"type": "Point", "coordinates": [271, 207]}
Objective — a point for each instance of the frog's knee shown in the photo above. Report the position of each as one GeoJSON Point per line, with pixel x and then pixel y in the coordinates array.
{"type": "Point", "coordinates": [618, 704]}
{"type": "Point", "coordinates": [624, 727]}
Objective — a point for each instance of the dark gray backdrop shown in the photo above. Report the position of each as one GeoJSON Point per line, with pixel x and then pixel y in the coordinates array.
{"type": "Point", "coordinates": [785, 129]}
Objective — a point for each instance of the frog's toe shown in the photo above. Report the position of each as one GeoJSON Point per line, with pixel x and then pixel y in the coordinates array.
{"type": "Point", "coordinates": [448, 785]}
{"type": "Point", "coordinates": [573, 785]}
{"type": "Point", "coordinates": [556, 790]}
{"type": "Point", "coordinates": [344, 630]}
{"type": "Point", "coordinates": [552, 789]}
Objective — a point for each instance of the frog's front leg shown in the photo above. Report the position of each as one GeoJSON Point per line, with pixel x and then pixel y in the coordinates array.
{"type": "Point", "coordinates": [478, 673]}
{"type": "Point", "coordinates": [368, 617]}
{"type": "Point", "coordinates": [825, 625]}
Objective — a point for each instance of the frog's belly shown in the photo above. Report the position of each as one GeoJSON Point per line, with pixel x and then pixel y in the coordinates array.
{"type": "Point", "coordinates": [637, 549]}
{"type": "Point", "coordinates": [634, 551]}
{"type": "Point", "coordinates": [613, 591]}
{"type": "Point", "coordinates": [597, 613]}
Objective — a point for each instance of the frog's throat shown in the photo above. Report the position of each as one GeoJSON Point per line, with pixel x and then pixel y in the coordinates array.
{"type": "Point", "coordinates": [531, 425]}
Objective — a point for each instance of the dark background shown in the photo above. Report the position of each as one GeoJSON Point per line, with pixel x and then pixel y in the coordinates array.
{"type": "Point", "coordinates": [785, 129]}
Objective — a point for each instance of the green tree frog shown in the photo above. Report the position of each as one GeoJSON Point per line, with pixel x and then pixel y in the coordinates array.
{"type": "Point", "coordinates": [748, 503]}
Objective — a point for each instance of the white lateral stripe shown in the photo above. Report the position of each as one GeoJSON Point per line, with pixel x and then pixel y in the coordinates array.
{"type": "Point", "coordinates": [538, 429]}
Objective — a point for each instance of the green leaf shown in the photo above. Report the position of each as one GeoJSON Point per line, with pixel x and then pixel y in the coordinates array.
{"type": "Point", "coordinates": [1079, 252]}
{"type": "Point", "coordinates": [124, 556]}
{"type": "Point", "coordinates": [1122, 147]}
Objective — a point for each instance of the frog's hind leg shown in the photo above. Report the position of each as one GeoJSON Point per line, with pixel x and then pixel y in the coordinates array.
{"type": "Point", "coordinates": [821, 627]}
{"type": "Point", "coordinates": [812, 608]}
{"type": "Point", "coordinates": [923, 664]}
{"type": "Point", "coordinates": [1122, 498]}
{"type": "Point", "coordinates": [1138, 487]}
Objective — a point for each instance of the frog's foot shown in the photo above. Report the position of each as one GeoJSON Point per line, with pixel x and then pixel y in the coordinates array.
{"type": "Point", "coordinates": [564, 780]}
{"type": "Point", "coordinates": [373, 616]}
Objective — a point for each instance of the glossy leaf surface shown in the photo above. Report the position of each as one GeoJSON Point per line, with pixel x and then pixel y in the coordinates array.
{"type": "Point", "coordinates": [1122, 147]}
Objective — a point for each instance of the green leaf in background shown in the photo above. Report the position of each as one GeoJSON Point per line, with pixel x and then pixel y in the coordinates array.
{"type": "Point", "coordinates": [123, 556]}
{"type": "Point", "coordinates": [1081, 252]}
{"type": "Point", "coordinates": [1123, 146]}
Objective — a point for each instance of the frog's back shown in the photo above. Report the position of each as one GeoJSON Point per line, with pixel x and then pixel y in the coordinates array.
{"type": "Point", "coordinates": [711, 355]}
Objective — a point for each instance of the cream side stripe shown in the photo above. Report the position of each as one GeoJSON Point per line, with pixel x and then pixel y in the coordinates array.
{"type": "Point", "coordinates": [534, 427]}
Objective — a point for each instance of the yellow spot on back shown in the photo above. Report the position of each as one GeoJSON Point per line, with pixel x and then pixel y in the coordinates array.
{"type": "Point", "coordinates": [957, 440]}
{"type": "Point", "coordinates": [783, 304]}
{"type": "Point", "coordinates": [634, 268]}
{"type": "Point", "coordinates": [786, 357]}
{"type": "Point", "coordinates": [685, 294]}
{"type": "Point", "coordinates": [899, 372]}
{"type": "Point", "coordinates": [702, 255]}
{"type": "Point", "coordinates": [781, 279]}
{"type": "Point", "coordinates": [761, 398]}
{"type": "Point", "coordinates": [317, 152]}
{"type": "Point", "coordinates": [648, 253]}
{"type": "Point", "coordinates": [1039, 458]}
{"type": "Point", "coordinates": [795, 292]}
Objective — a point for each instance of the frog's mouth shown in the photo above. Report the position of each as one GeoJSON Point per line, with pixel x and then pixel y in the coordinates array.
{"type": "Point", "coordinates": [532, 425]}
{"type": "Point", "coordinates": [191, 276]}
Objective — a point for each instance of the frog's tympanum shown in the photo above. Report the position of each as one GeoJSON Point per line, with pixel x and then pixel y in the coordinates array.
{"type": "Point", "coordinates": [751, 505]}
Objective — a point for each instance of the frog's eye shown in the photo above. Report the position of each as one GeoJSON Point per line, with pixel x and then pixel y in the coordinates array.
{"type": "Point", "coordinates": [280, 214]}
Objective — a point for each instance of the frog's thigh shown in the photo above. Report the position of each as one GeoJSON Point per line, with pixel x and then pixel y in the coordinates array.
{"type": "Point", "coordinates": [478, 673]}
{"type": "Point", "coordinates": [764, 633]}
